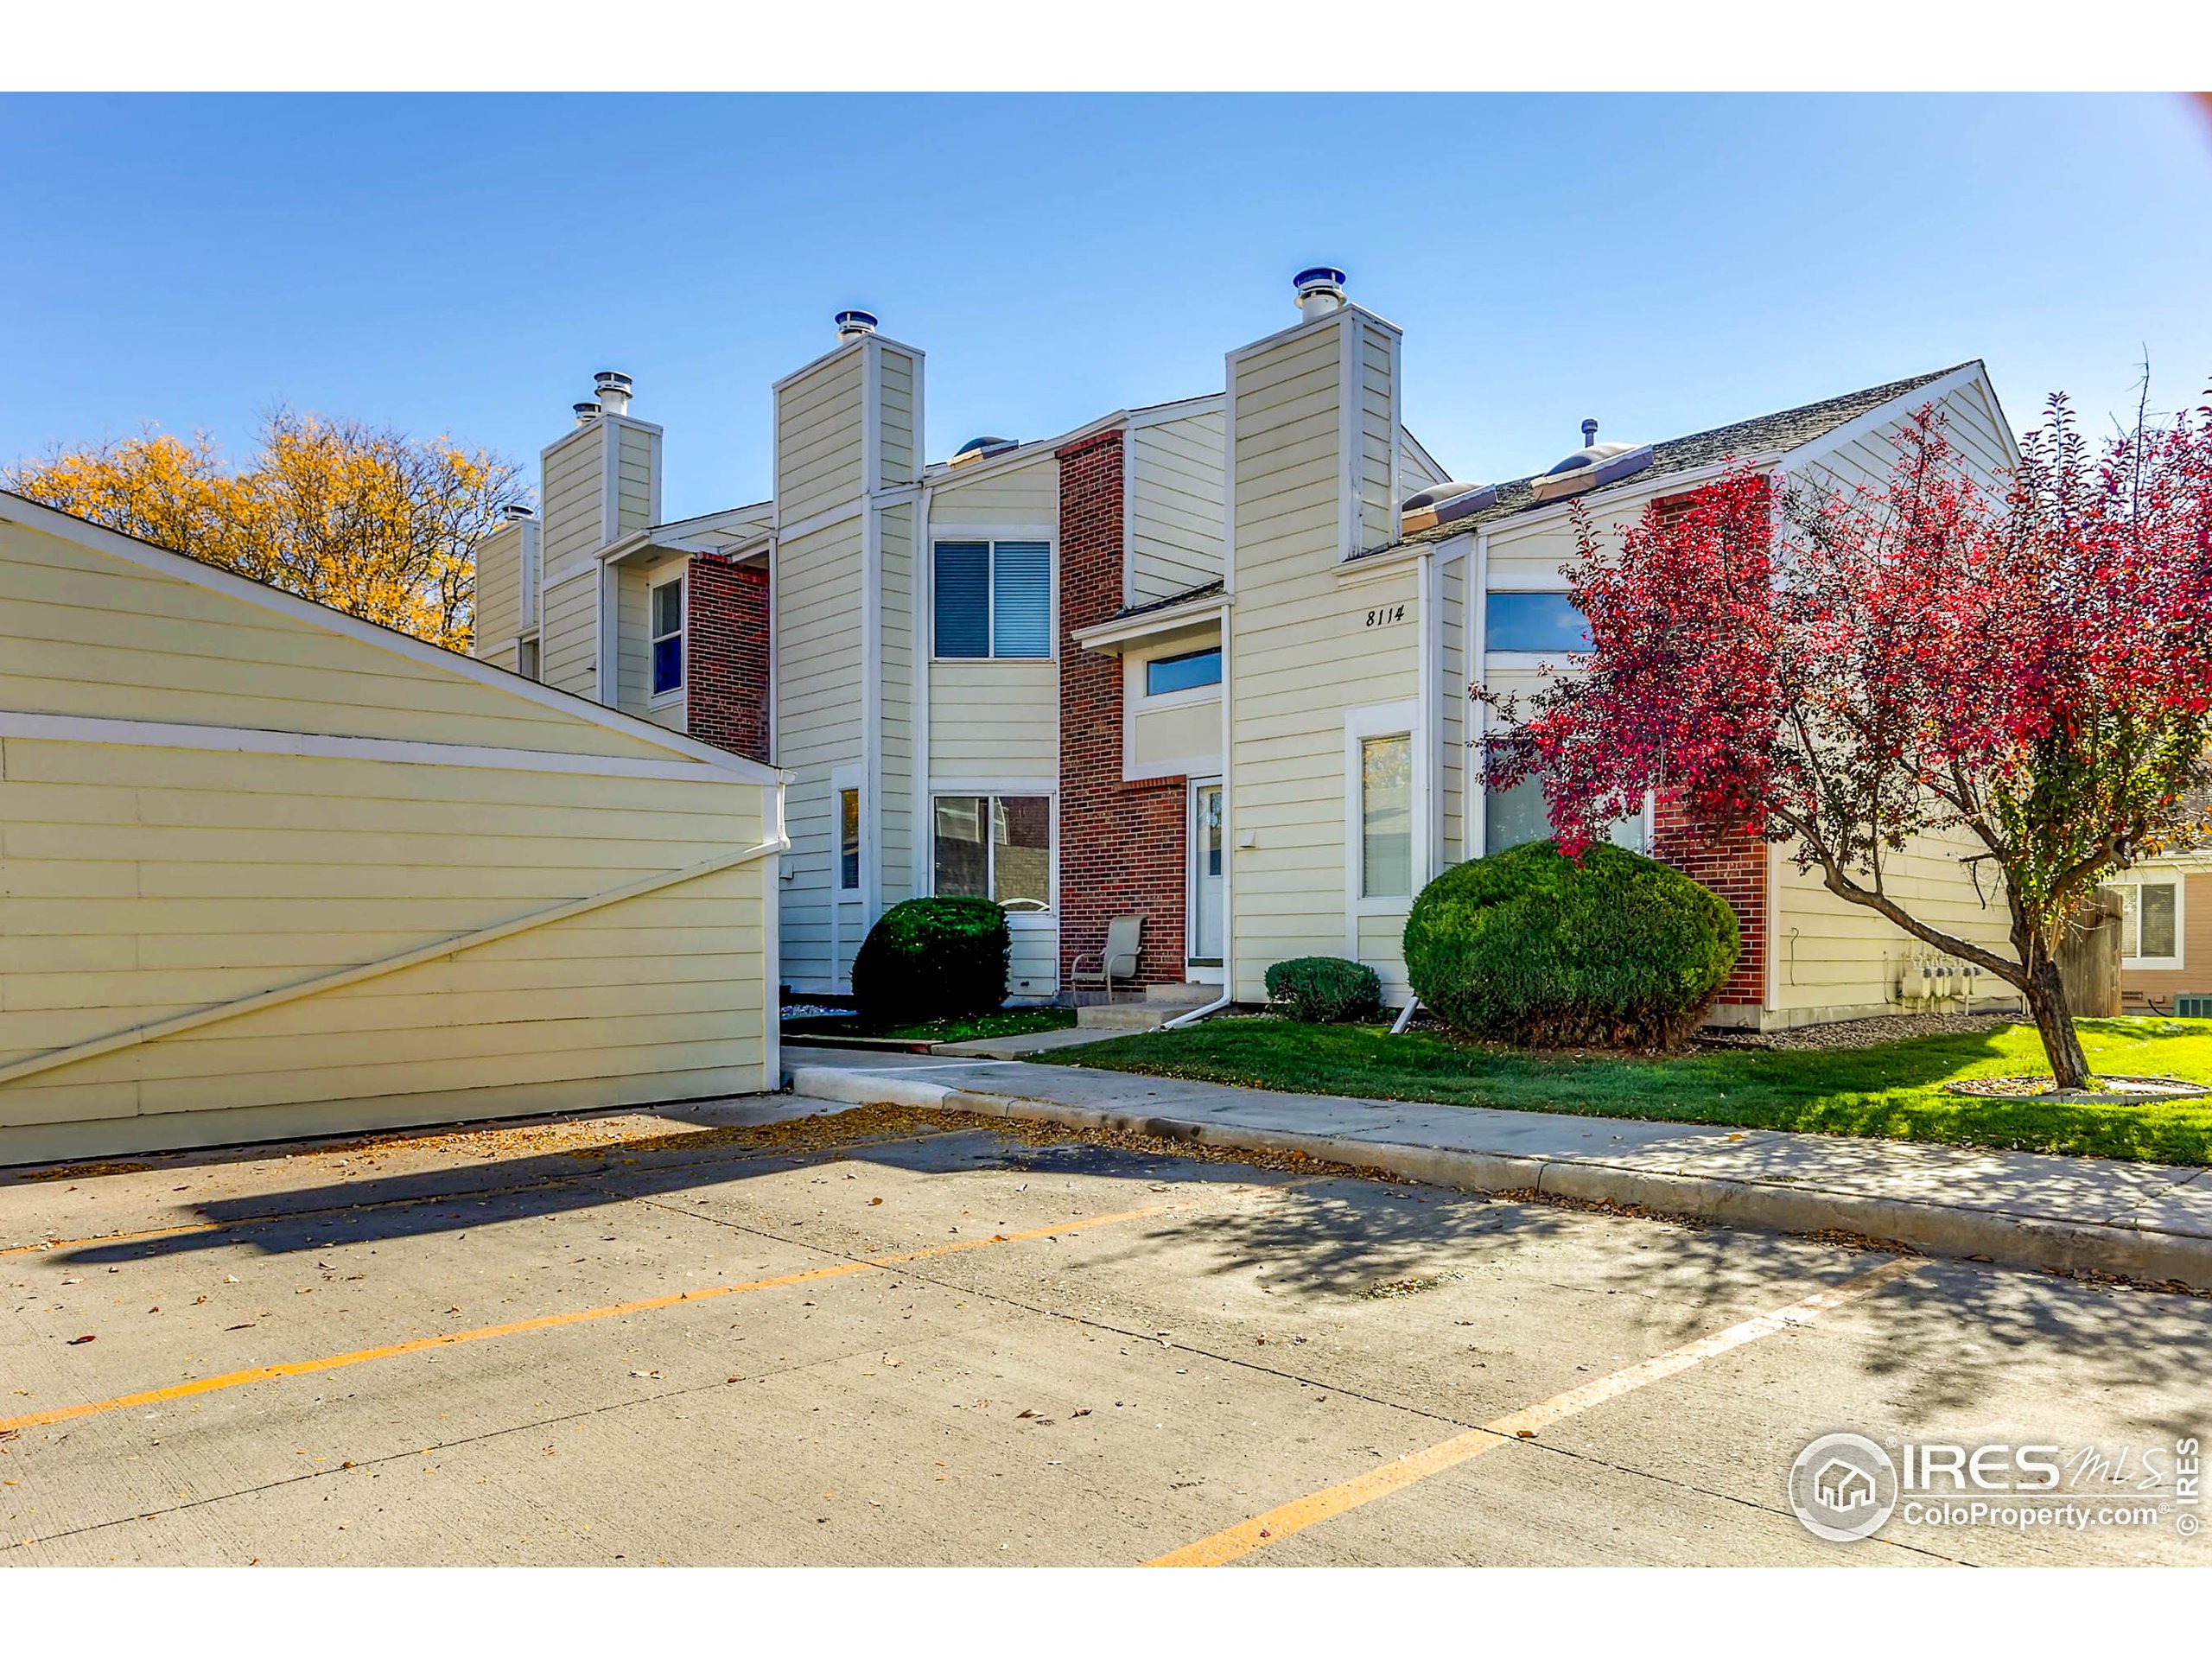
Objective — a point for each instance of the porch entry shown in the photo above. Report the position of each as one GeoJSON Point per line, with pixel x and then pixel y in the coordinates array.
{"type": "Point", "coordinates": [1203, 954]}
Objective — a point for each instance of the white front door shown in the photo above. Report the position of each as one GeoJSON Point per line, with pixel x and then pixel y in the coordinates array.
{"type": "Point", "coordinates": [1202, 950]}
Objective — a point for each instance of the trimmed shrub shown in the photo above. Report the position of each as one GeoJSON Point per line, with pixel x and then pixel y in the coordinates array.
{"type": "Point", "coordinates": [931, 959]}
{"type": "Point", "coordinates": [1529, 947]}
{"type": "Point", "coordinates": [1325, 990]}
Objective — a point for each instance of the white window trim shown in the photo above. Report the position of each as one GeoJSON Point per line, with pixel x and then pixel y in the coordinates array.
{"type": "Point", "coordinates": [2160, 879]}
{"type": "Point", "coordinates": [1153, 700]}
{"type": "Point", "coordinates": [1135, 703]}
{"type": "Point", "coordinates": [1017, 921]}
{"type": "Point", "coordinates": [991, 535]}
{"type": "Point", "coordinates": [840, 779]}
{"type": "Point", "coordinates": [1401, 719]}
{"type": "Point", "coordinates": [674, 694]}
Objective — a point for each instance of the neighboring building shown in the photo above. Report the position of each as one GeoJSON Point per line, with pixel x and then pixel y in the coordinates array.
{"type": "Point", "coordinates": [2165, 933]}
{"type": "Point", "coordinates": [272, 870]}
{"type": "Point", "coordinates": [1206, 660]}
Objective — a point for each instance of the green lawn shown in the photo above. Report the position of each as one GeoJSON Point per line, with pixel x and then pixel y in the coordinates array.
{"type": "Point", "coordinates": [1007, 1022]}
{"type": "Point", "coordinates": [1893, 1091]}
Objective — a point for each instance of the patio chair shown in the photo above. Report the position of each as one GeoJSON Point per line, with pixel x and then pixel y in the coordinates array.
{"type": "Point", "coordinates": [1117, 959]}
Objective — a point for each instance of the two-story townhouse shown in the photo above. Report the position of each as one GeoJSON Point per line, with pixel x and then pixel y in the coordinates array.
{"type": "Point", "coordinates": [1206, 660]}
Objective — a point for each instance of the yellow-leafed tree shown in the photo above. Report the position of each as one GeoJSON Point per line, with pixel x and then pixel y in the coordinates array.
{"type": "Point", "coordinates": [362, 518]}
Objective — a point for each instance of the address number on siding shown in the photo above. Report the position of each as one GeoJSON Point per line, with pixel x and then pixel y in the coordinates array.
{"type": "Point", "coordinates": [1383, 615]}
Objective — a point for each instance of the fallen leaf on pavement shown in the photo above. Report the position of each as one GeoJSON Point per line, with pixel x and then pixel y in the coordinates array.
{"type": "Point", "coordinates": [73, 1341]}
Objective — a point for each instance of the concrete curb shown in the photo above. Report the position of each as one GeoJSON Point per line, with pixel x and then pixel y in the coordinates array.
{"type": "Point", "coordinates": [2146, 1254]}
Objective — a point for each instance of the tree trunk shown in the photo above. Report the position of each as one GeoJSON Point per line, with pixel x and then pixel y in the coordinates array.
{"type": "Point", "coordinates": [2046, 994]}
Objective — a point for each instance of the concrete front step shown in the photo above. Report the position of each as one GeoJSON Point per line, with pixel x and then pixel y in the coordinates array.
{"type": "Point", "coordinates": [1124, 1016]}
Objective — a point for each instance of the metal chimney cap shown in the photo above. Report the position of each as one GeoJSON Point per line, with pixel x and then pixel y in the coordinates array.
{"type": "Point", "coordinates": [586, 413]}
{"type": "Point", "coordinates": [852, 325]}
{"type": "Point", "coordinates": [517, 511]}
{"type": "Point", "coordinates": [606, 377]}
{"type": "Point", "coordinates": [1589, 432]}
{"type": "Point", "coordinates": [1315, 278]}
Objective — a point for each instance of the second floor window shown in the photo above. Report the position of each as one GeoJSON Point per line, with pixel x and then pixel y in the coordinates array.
{"type": "Point", "coordinates": [667, 612]}
{"type": "Point", "coordinates": [849, 840]}
{"type": "Point", "coordinates": [1537, 622]}
{"type": "Point", "coordinates": [993, 599]}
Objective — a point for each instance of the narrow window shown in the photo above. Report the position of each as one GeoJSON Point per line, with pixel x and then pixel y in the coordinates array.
{"type": "Point", "coordinates": [849, 840]}
{"type": "Point", "coordinates": [668, 637]}
{"type": "Point", "coordinates": [1537, 622]}
{"type": "Point", "coordinates": [1184, 673]}
{"type": "Point", "coordinates": [1386, 816]}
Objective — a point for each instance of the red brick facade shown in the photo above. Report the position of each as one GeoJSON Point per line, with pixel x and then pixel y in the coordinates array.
{"type": "Point", "coordinates": [1121, 844]}
{"type": "Point", "coordinates": [726, 643]}
{"type": "Point", "coordinates": [1734, 867]}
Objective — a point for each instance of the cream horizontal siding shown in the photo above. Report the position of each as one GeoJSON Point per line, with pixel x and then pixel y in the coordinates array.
{"type": "Point", "coordinates": [1455, 709]}
{"type": "Point", "coordinates": [637, 491]}
{"type": "Point", "coordinates": [82, 634]}
{"type": "Point", "coordinates": [1414, 474]}
{"type": "Point", "coordinates": [818, 595]}
{"type": "Point", "coordinates": [1970, 423]}
{"type": "Point", "coordinates": [1175, 506]}
{"type": "Point", "coordinates": [1024, 496]}
{"type": "Point", "coordinates": [578, 521]}
{"type": "Point", "coordinates": [634, 583]}
{"type": "Point", "coordinates": [1833, 958]}
{"type": "Point", "coordinates": [899, 420]}
{"type": "Point", "coordinates": [498, 591]}
{"type": "Point", "coordinates": [994, 719]}
{"type": "Point", "coordinates": [142, 881]}
{"type": "Point", "coordinates": [897, 875]}
{"type": "Point", "coordinates": [1033, 965]}
{"type": "Point", "coordinates": [818, 436]}
{"type": "Point", "coordinates": [568, 659]}
{"type": "Point", "coordinates": [1301, 654]}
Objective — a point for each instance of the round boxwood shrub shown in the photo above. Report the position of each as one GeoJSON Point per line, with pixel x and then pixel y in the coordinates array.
{"type": "Point", "coordinates": [1529, 947]}
{"type": "Point", "coordinates": [1326, 990]}
{"type": "Point", "coordinates": [931, 959]}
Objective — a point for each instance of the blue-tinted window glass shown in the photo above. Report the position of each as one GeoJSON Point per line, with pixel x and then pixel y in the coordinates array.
{"type": "Point", "coordinates": [1021, 600]}
{"type": "Point", "coordinates": [964, 619]}
{"type": "Point", "coordinates": [668, 665]}
{"type": "Point", "coordinates": [1195, 668]}
{"type": "Point", "coordinates": [1534, 622]}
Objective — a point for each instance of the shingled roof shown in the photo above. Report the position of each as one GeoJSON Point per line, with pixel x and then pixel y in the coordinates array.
{"type": "Point", "coordinates": [1764, 434]}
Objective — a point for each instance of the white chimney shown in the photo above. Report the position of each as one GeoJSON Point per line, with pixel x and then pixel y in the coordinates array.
{"type": "Point", "coordinates": [612, 391]}
{"type": "Point", "coordinates": [854, 325]}
{"type": "Point", "coordinates": [586, 413]}
{"type": "Point", "coordinates": [1320, 290]}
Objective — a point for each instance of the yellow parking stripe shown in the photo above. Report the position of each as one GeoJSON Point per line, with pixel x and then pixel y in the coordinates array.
{"type": "Point", "coordinates": [1296, 1516]}
{"type": "Point", "coordinates": [553, 1321]}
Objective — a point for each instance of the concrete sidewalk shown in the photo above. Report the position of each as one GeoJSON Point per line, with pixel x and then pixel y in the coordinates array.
{"type": "Point", "coordinates": [2152, 1223]}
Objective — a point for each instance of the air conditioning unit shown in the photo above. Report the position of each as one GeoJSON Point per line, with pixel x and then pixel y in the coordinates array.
{"type": "Point", "coordinates": [2193, 1008]}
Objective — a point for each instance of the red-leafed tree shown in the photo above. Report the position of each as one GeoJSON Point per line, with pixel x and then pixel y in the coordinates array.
{"type": "Point", "coordinates": [1845, 670]}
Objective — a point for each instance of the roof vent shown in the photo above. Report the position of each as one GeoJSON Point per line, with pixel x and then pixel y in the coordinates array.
{"type": "Point", "coordinates": [976, 449]}
{"type": "Point", "coordinates": [612, 391]}
{"type": "Point", "coordinates": [1320, 290]}
{"type": "Point", "coordinates": [586, 413]}
{"type": "Point", "coordinates": [516, 510]}
{"type": "Point", "coordinates": [1592, 467]}
{"type": "Point", "coordinates": [1440, 504]}
{"type": "Point", "coordinates": [854, 325]}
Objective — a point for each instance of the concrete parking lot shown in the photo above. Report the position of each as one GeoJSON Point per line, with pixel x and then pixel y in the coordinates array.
{"type": "Point", "coordinates": [720, 1335]}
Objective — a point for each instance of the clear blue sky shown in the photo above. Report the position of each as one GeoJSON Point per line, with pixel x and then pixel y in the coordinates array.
{"type": "Point", "coordinates": [1663, 263]}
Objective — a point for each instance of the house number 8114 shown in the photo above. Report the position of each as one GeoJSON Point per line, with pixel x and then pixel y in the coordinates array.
{"type": "Point", "coordinates": [1383, 615]}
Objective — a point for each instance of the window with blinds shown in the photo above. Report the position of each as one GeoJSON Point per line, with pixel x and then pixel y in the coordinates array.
{"type": "Point", "coordinates": [993, 599]}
